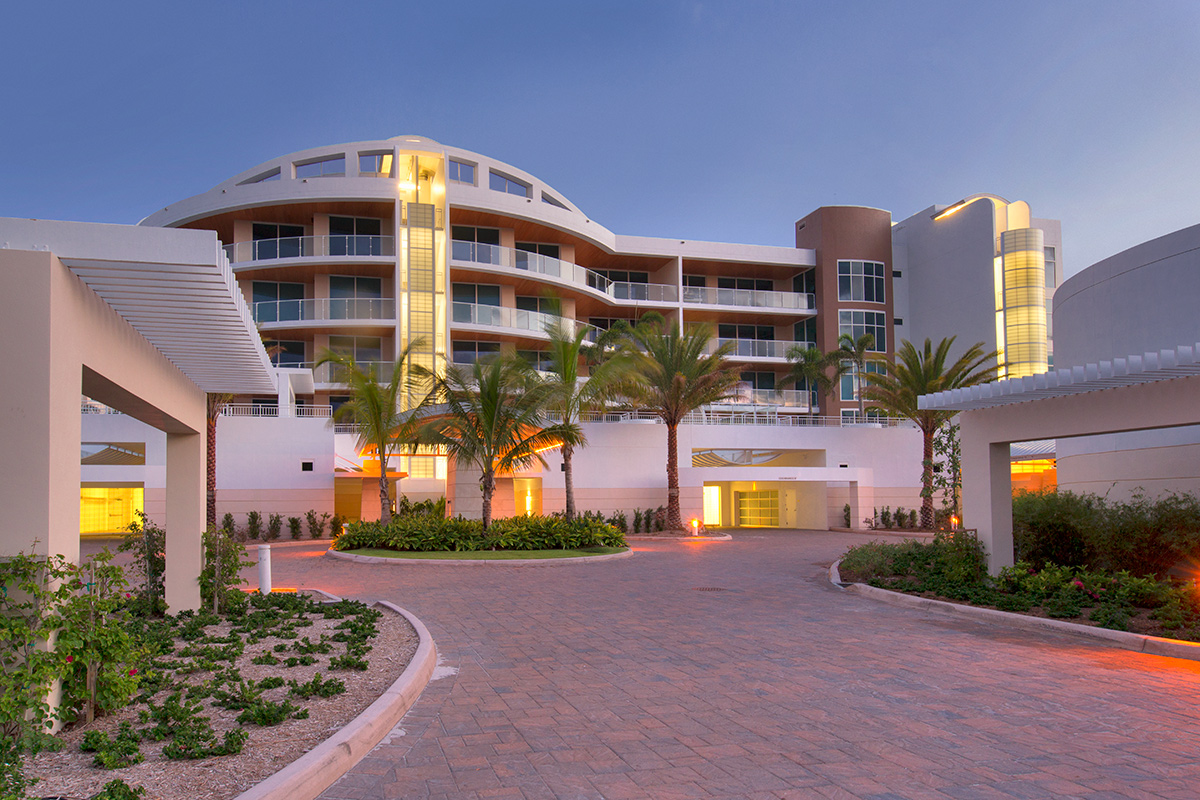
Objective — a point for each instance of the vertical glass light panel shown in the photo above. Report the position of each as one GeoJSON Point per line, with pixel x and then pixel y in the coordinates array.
{"type": "Point", "coordinates": [1024, 302]}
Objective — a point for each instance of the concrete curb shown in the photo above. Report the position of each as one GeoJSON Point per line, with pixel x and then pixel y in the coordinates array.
{"type": "Point", "coordinates": [315, 771]}
{"type": "Point", "coordinates": [454, 562]}
{"type": "Point", "coordinates": [1138, 642]}
{"type": "Point", "coordinates": [712, 537]}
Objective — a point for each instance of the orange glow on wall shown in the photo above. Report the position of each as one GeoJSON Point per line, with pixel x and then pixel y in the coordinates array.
{"type": "Point", "coordinates": [1034, 475]}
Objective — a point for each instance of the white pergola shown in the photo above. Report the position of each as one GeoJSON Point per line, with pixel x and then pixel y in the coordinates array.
{"type": "Point", "coordinates": [146, 320]}
{"type": "Point", "coordinates": [1137, 392]}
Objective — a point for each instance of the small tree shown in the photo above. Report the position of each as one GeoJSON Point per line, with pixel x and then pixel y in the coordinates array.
{"type": "Point", "coordinates": [947, 468]}
{"type": "Point", "coordinates": [815, 372]}
{"type": "Point", "coordinates": [855, 353]}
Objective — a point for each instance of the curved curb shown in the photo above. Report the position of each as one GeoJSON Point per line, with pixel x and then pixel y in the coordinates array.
{"type": "Point", "coordinates": [1138, 642]}
{"type": "Point", "coordinates": [315, 771]}
{"type": "Point", "coordinates": [500, 562]}
{"type": "Point", "coordinates": [714, 537]}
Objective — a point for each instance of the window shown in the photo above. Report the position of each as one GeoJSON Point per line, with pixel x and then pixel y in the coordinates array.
{"type": "Point", "coordinates": [752, 284]}
{"type": "Point", "coordinates": [693, 280]}
{"type": "Point", "coordinates": [502, 183]}
{"type": "Point", "coordinates": [550, 250]}
{"type": "Point", "coordinates": [554, 202]}
{"type": "Point", "coordinates": [470, 352]}
{"type": "Point", "coordinates": [759, 380]}
{"type": "Point", "coordinates": [897, 274]}
{"type": "Point", "coordinates": [276, 302]}
{"type": "Point", "coordinates": [462, 172]}
{"type": "Point", "coordinates": [848, 388]}
{"type": "Point", "coordinates": [478, 294]}
{"type": "Point", "coordinates": [355, 297]}
{"type": "Point", "coordinates": [542, 305]}
{"type": "Point", "coordinates": [269, 175]}
{"type": "Point", "coordinates": [355, 236]}
{"type": "Point", "coordinates": [538, 359]}
{"type": "Point", "coordinates": [806, 331]}
{"type": "Point", "coordinates": [284, 354]}
{"type": "Point", "coordinates": [861, 281]}
{"type": "Point", "coordinates": [481, 245]}
{"type": "Point", "coordinates": [805, 282]}
{"type": "Point", "coordinates": [760, 332]}
{"type": "Point", "coordinates": [605, 323]}
{"type": "Point", "coordinates": [375, 165]}
{"type": "Point", "coordinates": [857, 323]}
{"type": "Point", "coordinates": [363, 349]}
{"type": "Point", "coordinates": [624, 276]}
{"type": "Point", "coordinates": [277, 241]}
{"type": "Point", "coordinates": [1051, 265]}
{"type": "Point", "coordinates": [324, 168]}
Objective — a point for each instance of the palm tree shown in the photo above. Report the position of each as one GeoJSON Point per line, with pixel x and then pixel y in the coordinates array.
{"type": "Point", "coordinates": [375, 408]}
{"type": "Point", "coordinates": [810, 369]}
{"type": "Point", "coordinates": [569, 397]}
{"type": "Point", "coordinates": [913, 373]}
{"type": "Point", "coordinates": [489, 416]}
{"type": "Point", "coordinates": [215, 404]}
{"type": "Point", "coordinates": [854, 352]}
{"type": "Point", "coordinates": [676, 375]}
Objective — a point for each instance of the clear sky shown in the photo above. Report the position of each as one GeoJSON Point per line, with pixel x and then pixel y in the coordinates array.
{"type": "Point", "coordinates": [702, 120]}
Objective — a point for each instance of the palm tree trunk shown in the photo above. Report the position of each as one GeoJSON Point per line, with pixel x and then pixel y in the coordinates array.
{"type": "Point", "coordinates": [385, 495]}
{"type": "Point", "coordinates": [674, 520]}
{"type": "Point", "coordinates": [927, 479]}
{"type": "Point", "coordinates": [210, 478]}
{"type": "Point", "coordinates": [487, 485]}
{"type": "Point", "coordinates": [568, 478]}
{"type": "Point", "coordinates": [858, 389]}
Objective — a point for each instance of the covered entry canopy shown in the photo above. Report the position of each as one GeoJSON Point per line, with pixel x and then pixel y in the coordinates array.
{"type": "Point", "coordinates": [1137, 392]}
{"type": "Point", "coordinates": [145, 320]}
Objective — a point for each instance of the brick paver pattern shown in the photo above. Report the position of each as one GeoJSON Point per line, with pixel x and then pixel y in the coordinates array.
{"type": "Point", "coordinates": [625, 680]}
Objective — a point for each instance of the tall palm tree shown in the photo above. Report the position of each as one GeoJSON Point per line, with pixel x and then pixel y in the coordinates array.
{"type": "Point", "coordinates": [913, 373]}
{"type": "Point", "coordinates": [215, 404]}
{"type": "Point", "coordinates": [374, 407]}
{"type": "Point", "coordinates": [490, 416]}
{"type": "Point", "coordinates": [569, 397]}
{"type": "Point", "coordinates": [854, 352]}
{"type": "Point", "coordinates": [811, 369]}
{"type": "Point", "coordinates": [676, 375]}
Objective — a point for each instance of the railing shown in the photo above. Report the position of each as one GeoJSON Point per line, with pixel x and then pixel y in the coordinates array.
{"type": "Point", "coordinates": [91, 408]}
{"type": "Point", "coordinates": [757, 348]}
{"type": "Point", "coordinates": [788, 398]}
{"type": "Point", "coordinates": [716, 416]}
{"type": "Point", "coordinates": [330, 372]}
{"type": "Point", "coordinates": [272, 410]}
{"type": "Point", "coordinates": [503, 317]}
{"type": "Point", "coordinates": [311, 247]}
{"type": "Point", "coordinates": [565, 270]}
{"type": "Point", "coordinates": [324, 309]}
{"type": "Point", "coordinates": [752, 298]}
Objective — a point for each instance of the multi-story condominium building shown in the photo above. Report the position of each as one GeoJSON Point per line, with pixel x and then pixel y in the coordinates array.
{"type": "Point", "coordinates": [370, 247]}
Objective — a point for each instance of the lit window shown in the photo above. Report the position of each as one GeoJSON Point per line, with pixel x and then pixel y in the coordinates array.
{"type": "Point", "coordinates": [462, 172]}
{"type": "Point", "coordinates": [856, 323]}
{"type": "Point", "coordinates": [861, 281]}
{"type": "Point", "coordinates": [502, 183]}
{"type": "Point", "coordinates": [375, 165]}
{"type": "Point", "coordinates": [324, 168]}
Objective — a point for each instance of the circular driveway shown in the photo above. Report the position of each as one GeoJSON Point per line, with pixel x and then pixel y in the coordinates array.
{"type": "Point", "coordinates": [733, 669]}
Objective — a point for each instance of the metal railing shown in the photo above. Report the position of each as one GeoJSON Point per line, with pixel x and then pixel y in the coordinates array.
{"type": "Point", "coordinates": [787, 398]}
{"type": "Point", "coordinates": [325, 309]}
{"type": "Point", "coordinates": [92, 408]}
{"type": "Point", "coordinates": [752, 298]}
{"type": "Point", "coordinates": [757, 348]}
{"type": "Point", "coordinates": [272, 410]}
{"type": "Point", "coordinates": [712, 415]}
{"type": "Point", "coordinates": [546, 265]}
{"type": "Point", "coordinates": [520, 319]}
{"type": "Point", "coordinates": [311, 247]}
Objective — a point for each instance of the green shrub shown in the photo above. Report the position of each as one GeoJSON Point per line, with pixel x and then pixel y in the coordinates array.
{"type": "Point", "coordinates": [274, 527]}
{"type": "Point", "coordinates": [254, 527]}
{"type": "Point", "coordinates": [147, 542]}
{"type": "Point", "coordinates": [316, 525]}
{"type": "Point", "coordinates": [846, 514]}
{"type": "Point", "coordinates": [335, 526]}
{"type": "Point", "coordinates": [317, 687]}
{"type": "Point", "coordinates": [228, 525]}
{"type": "Point", "coordinates": [294, 524]}
{"type": "Point", "coordinates": [885, 517]}
{"type": "Point", "coordinates": [428, 533]}
{"type": "Point", "coordinates": [120, 751]}
{"type": "Point", "coordinates": [119, 790]}
{"type": "Point", "coordinates": [952, 565]}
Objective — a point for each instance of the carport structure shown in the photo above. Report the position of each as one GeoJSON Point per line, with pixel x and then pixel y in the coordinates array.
{"type": "Point", "coordinates": [1137, 392]}
{"type": "Point", "coordinates": [144, 320]}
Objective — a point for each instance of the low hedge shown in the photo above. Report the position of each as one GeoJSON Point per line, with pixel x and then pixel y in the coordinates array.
{"type": "Point", "coordinates": [429, 534]}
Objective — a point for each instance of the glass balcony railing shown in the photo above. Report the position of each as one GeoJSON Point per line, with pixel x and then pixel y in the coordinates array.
{"type": "Point", "coordinates": [520, 319]}
{"type": "Point", "coordinates": [564, 270]}
{"type": "Point", "coordinates": [311, 247]}
{"type": "Point", "coordinates": [787, 398]}
{"type": "Point", "coordinates": [708, 295]}
{"type": "Point", "coordinates": [757, 348]}
{"type": "Point", "coordinates": [327, 309]}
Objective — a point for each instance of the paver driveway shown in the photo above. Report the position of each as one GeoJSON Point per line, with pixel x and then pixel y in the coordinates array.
{"type": "Point", "coordinates": [623, 679]}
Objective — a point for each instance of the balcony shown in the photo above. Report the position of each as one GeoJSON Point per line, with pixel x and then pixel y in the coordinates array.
{"type": "Point", "coordinates": [272, 410]}
{"type": "Point", "coordinates": [757, 348]}
{"type": "Point", "coordinates": [325, 309]}
{"type": "Point", "coordinates": [311, 247]}
{"type": "Point", "coordinates": [516, 318]}
{"type": "Point", "coordinates": [782, 398]}
{"type": "Point", "coordinates": [494, 255]}
{"type": "Point", "coordinates": [748, 298]}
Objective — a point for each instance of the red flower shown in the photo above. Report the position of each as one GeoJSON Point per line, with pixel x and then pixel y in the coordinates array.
{"type": "Point", "coordinates": [70, 659]}
{"type": "Point", "coordinates": [128, 595]}
{"type": "Point", "coordinates": [132, 672]}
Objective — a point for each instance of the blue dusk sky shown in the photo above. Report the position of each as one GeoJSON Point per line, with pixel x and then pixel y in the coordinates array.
{"type": "Point", "coordinates": [724, 121]}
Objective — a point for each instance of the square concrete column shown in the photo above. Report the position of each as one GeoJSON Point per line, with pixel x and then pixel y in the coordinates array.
{"type": "Point", "coordinates": [185, 519]}
{"type": "Point", "coordinates": [987, 492]}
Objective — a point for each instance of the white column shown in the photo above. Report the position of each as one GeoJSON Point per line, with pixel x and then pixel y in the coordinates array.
{"type": "Point", "coordinates": [185, 519]}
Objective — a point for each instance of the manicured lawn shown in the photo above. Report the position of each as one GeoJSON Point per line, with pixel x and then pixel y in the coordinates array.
{"type": "Point", "coordinates": [489, 555]}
